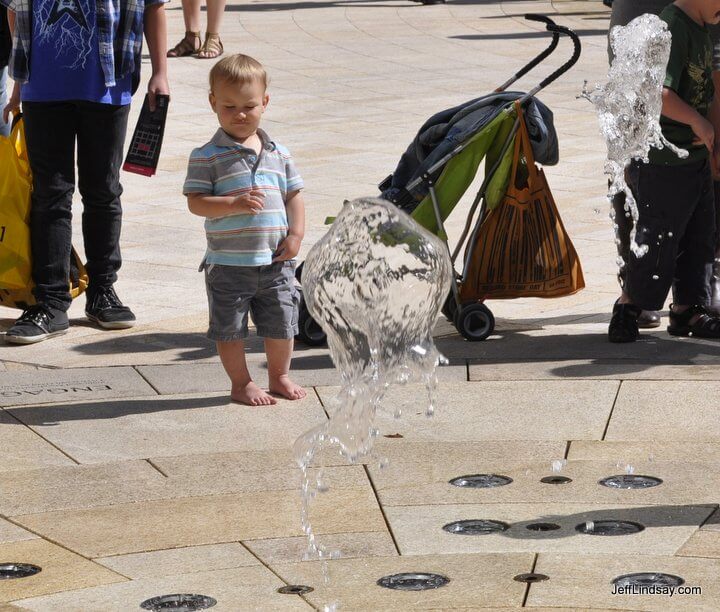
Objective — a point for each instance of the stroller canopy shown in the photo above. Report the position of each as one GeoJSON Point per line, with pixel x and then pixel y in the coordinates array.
{"type": "Point", "coordinates": [445, 130]}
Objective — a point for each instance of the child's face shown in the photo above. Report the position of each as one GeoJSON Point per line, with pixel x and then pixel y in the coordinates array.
{"type": "Point", "coordinates": [239, 107]}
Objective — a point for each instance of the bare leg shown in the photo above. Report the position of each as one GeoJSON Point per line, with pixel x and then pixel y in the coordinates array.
{"type": "Point", "coordinates": [279, 354]}
{"type": "Point", "coordinates": [215, 10]}
{"type": "Point", "coordinates": [191, 15]}
{"type": "Point", "coordinates": [243, 389]}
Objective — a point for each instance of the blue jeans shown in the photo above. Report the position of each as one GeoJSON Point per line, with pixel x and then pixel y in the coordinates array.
{"type": "Point", "coordinates": [4, 127]}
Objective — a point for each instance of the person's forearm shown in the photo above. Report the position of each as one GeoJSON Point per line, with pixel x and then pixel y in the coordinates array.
{"type": "Point", "coordinates": [155, 26]}
{"type": "Point", "coordinates": [675, 108]}
{"type": "Point", "coordinates": [295, 208]}
{"type": "Point", "coordinates": [210, 206]}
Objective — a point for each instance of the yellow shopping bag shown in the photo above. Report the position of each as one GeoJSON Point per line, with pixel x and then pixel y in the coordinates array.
{"type": "Point", "coordinates": [15, 187]}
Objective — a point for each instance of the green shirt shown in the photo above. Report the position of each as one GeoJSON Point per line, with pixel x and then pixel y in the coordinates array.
{"type": "Point", "coordinates": [689, 75]}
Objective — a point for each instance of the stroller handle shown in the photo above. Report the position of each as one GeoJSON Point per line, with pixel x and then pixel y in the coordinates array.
{"type": "Point", "coordinates": [551, 26]}
{"type": "Point", "coordinates": [535, 61]}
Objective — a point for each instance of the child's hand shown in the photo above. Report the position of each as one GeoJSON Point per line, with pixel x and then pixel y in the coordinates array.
{"type": "Point", "coordinates": [704, 133]}
{"type": "Point", "coordinates": [251, 202]}
{"type": "Point", "coordinates": [288, 248]}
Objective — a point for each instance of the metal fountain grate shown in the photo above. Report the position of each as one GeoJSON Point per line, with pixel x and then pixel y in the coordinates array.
{"type": "Point", "coordinates": [179, 602]}
{"type": "Point", "coordinates": [542, 526]}
{"type": "Point", "coordinates": [481, 481]}
{"type": "Point", "coordinates": [9, 571]}
{"type": "Point", "coordinates": [643, 579]}
{"type": "Point", "coordinates": [475, 527]}
{"type": "Point", "coordinates": [295, 589]}
{"type": "Point", "coordinates": [610, 527]}
{"type": "Point", "coordinates": [556, 480]}
{"type": "Point", "coordinates": [531, 577]}
{"type": "Point", "coordinates": [630, 481]}
{"type": "Point", "coordinates": [413, 581]}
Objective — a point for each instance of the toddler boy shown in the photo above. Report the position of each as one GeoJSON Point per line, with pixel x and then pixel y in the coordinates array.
{"type": "Point", "coordinates": [247, 188]}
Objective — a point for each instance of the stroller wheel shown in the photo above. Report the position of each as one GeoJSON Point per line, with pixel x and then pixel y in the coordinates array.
{"type": "Point", "coordinates": [474, 321]}
{"type": "Point", "coordinates": [449, 308]}
{"type": "Point", "coordinates": [309, 333]}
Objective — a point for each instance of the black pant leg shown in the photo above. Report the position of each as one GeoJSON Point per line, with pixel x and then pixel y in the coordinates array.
{"type": "Point", "coordinates": [50, 129]}
{"type": "Point", "coordinates": [101, 138]}
{"type": "Point", "coordinates": [696, 251]}
{"type": "Point", "coordinates": [667, 197]}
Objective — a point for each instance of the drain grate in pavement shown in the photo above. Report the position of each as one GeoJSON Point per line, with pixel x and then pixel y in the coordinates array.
{"type": "Point", "coordinates": [295, 589]}
{"type": "Point", "coordinates": [178, 603]}
{"type": "Point", "coordinates": [475, 527]}
{"type": "Point", "coordinates": [413, 581]}
{"type": "Point", "coordinates": [531, 577]}
{"type": "Point", "coordinates": [8, 571]}
{"type": "Point", "coordinates": [481, 481]}
{"type": "Point", "coordinates": [630, 481]}
{"type": "Point", "coordinates": [557, 480]}
{"type": "Point", "coordinates": [645, 579]}
{"type": "Point", "coordinates": [542, 526]}
{"type": "Point", "coordinates": [609, 527]}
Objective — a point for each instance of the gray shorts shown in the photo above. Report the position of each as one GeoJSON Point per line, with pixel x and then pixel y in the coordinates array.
{"type": "Point", "coordinates": [268, 293]}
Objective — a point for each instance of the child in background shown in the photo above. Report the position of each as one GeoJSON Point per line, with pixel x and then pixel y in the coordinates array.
{"type": "Point", "coordinates": [247, 188]}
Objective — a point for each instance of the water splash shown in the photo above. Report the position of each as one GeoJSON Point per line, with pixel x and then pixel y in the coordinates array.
{"type": "Point", "coordinates": [558, 465]}
{"type": "Point", "coordinates": [374, 283]}
{"type": "Point", "coordinates": [629, 105]}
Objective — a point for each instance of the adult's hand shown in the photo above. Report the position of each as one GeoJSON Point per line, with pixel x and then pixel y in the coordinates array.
{"type": "Point", "coordinates": [13, 104]}
{"type": "Point", "coordinates": [158, 85]}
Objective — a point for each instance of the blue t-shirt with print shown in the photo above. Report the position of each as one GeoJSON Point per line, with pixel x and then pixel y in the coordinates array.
{"type": "Point", "coordinates": [65, 59]}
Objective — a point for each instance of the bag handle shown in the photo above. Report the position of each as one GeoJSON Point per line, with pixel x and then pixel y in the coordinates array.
{"type": "Point", "coordinates": [523, 148]}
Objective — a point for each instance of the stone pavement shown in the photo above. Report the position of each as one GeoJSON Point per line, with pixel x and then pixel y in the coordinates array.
{"type": "Point", "coordinates": [125, 473]}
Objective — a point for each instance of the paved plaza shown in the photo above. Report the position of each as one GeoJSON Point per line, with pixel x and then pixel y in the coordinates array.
{"type": "Point", "coordinates": [126, 473]}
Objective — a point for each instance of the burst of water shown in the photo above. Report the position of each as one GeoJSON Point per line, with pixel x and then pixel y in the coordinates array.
{"type": "Point", "coordinates": [629, 105]}
{"type": "Point", "coordinates": [375, 283]}
{"type": "Point", "coordinates": [558, 464]}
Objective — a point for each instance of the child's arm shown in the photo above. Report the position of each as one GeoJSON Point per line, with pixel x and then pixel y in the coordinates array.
{"type": "Point", "coordinates": [289, 247]}
{"type": "Point", "coordinates": [675, 108]}
{"type": "Point", "coordinates": [211, 207]}
{"type": "Point", "coordinates": [155, 27]}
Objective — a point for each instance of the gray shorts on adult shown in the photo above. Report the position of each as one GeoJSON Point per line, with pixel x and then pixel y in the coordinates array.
{"type": "Point", "coordinates": [268, 293]}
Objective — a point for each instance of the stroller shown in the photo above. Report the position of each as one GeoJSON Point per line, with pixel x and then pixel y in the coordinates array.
{"type": "Point", "coordinates": [441, 163]}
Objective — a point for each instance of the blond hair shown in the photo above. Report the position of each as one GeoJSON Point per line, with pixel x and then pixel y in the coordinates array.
{"type": "Point", "coordinates": [238, 69]}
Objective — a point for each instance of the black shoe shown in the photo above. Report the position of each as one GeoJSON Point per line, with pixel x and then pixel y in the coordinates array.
{"type": "Point", "coordinates": [105, 308]}
{"type": "Point", "coordinates": [649, 319]}
{"type": "Point", "coordinates": [38, 323]}
{"type": "Point", "coordinates": [624, 323]}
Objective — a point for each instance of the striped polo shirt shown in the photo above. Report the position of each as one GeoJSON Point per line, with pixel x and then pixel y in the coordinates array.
{"type": "Point", "coordinates": [223, 167]}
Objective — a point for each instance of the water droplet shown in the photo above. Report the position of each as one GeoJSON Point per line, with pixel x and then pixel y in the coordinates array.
{"type": "Point", "coordinates": [655, 277]}
{"type": "Point", "coordinates": [558, 464]}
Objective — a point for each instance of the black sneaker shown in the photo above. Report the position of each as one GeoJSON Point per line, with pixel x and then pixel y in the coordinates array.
{"type": "Point", "coordinates": [624, 323]}
{"type": "Point", "coordinates": [105, 308]}
{"type": "Point", "coordinates": [38, 323]}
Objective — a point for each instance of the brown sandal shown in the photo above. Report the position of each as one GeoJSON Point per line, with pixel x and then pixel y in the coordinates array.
{"type": "Point", "coordinates": [187, 46]}
{"type": "Point", "coordinates": [212, 47]}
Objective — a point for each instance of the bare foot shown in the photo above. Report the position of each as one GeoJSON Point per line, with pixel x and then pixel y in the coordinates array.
{"type": "Point", "coordinates": [251, 395]}
{"type": "Point", "coordinates": [287, 388]}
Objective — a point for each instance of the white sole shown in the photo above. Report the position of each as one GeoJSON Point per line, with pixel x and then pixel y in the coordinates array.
{"type": "Point", "coordinates": [111, 324]}
{"type": "Point", "coordinates": [33, 339]}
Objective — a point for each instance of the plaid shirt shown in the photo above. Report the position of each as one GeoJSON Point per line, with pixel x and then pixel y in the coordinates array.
{"type": "Point", "coordinates": [120, 34]}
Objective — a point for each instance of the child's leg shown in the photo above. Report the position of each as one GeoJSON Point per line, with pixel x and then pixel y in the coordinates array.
{"type": "Point", "coordinates": [243, 389]}
{"type": "Point", "coordinates": [279, 354]}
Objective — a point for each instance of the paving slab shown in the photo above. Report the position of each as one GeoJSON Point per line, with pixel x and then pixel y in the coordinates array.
{"type": "Point", "coordinates": [703, 543]}
{"type": "Point", "coordinates": [251, 588]}
{"type": "Point", "coordinates": [156, 525]}
{"type": "Point", "coordinates": [23, 449]}
{"type": "Point", "coordinates": [419, 529]}
{"type": "Point", "coordinates": [474, 579]}
{"type": "Point", "coordinates": [418, 483]}
{"type": "Point", "coordinates": [585, 582]}
{"type": "Point", "coordinates": [175, 561]}
{"type": "Point", "coordinates": [645, 452]}
{"type": "Point", "coordinates": [13, 533]}
{"type": "Point", "coordinates": [669, 410]}
{"type": "Point", "coordinates": [61, 570]}
{"type": "Point", "coordinates": [100, 432]}
{"type": "Point", "coordinates": [538, 410]}
{"type": "Point", "coordinates": [71, 385]}
{"type": "Point", "coordinates": [346, 545]}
